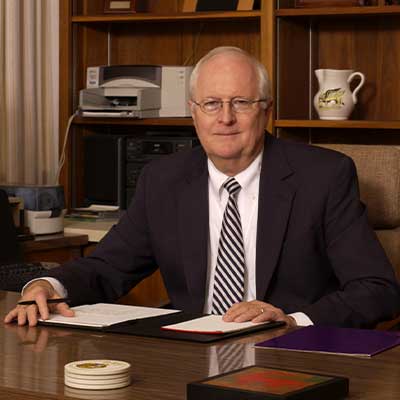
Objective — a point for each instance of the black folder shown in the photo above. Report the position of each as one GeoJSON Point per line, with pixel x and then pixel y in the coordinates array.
{"type": "Point", "coordinates": [151, 327]}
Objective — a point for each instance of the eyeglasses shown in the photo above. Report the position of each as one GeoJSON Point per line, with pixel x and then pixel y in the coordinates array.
{"type": "Point", "coordinates": [237, 104]}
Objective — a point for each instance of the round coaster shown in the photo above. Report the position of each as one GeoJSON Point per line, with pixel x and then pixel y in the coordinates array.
{"type": "Point", "coordinates": [125, 379]}
{"type": "Point", "coordinates": [96, 387]}
{"type": "Point", "coordinates": [97, 367]}
{"type": "Point", "coordinates": [96, 377]}
{"type": "Point", "coordinates": [113, 394]}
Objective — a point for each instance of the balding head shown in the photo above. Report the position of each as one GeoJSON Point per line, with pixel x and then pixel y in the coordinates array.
{"type": "Point", "coordinates": [261, 73]}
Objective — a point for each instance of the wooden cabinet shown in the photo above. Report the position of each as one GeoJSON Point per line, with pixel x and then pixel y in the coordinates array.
{"type": "Point", "coordinates": [363, 38]}
{"type": "Point", "coordinates": [160, 34]}
{"type": "Point", "coordinates": [57, 248]}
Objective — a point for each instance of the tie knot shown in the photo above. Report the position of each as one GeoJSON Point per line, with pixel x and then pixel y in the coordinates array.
{"type": "Point", "coordinates": [232, 186]}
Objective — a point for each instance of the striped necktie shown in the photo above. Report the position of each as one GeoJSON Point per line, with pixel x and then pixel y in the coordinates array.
{"type": "Point", "coordinates": [229, 272]}
{"type": "Point", "coordinates": [231, 357]}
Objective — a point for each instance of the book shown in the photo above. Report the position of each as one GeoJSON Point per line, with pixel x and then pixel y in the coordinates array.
{"type": "Point", "coordinates": [212, 324]}
{"type": "Point", "coordinates": [263, 383]}
{"type": "Point", "coordinates": [102, 315]}
{"type": "Point", "coordinates": [153, 327]}
{"type": "Point", "coordinates": [343, 341]}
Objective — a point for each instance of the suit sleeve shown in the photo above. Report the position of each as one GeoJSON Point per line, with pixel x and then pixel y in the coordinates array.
{"type": "Point", "coordinates": [121, 260]}
{"type": "Point", "coordinates": [368, 291]}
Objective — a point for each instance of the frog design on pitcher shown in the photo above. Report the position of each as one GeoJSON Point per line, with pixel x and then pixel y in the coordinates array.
{"type": "Point", "coordinates": [334, 100]}
{"type": "Point", "coordinates": [331, 98]}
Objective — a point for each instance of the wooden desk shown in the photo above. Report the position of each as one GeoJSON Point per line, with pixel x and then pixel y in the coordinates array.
{"type": "Point", "coordinates": [54, 248]}
{"type": "Point", "coordinates": [32, 362]}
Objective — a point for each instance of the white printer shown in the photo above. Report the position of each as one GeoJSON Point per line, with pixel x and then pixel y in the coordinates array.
{"type": "Point", "coordinates": [138, 91]}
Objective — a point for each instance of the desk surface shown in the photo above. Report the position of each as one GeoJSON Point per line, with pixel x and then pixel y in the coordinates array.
{"type": "Point", "coordinates": [94, 229]}
{"type": "Point", "coordinates": [54, 241]}
{"type": "Point", "coordinates": [32, 362]}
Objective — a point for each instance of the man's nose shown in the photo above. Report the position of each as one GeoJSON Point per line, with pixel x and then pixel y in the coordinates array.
{"type": "Point", "coordinates": [227, 115]}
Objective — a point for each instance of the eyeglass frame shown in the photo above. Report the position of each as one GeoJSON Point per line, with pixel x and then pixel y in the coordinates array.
{"type": "Point", "coordinates": [230, 102]}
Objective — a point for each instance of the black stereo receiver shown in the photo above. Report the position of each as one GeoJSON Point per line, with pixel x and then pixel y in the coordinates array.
{"type": "Point", "coordinates": [112, 164]}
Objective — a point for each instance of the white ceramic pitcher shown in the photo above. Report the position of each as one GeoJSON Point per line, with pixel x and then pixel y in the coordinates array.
{"type": "Point", "coordinates": [334, 99]}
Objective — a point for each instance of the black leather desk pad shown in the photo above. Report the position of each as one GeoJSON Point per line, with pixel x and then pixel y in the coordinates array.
{"type": "Point", "coordinates": [151, 327]}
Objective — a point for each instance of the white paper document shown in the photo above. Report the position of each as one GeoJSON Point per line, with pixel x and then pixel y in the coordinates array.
{"type": "Point", "coordinates": [211, 324]}
{"type": "Point", "coordinates": [102, 314]}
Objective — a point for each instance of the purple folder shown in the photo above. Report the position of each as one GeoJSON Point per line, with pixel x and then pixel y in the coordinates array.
{"type": "Point", "coordinates": [345, 341]}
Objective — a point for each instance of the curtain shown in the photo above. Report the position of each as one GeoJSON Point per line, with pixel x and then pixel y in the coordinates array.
{"type": "Point", "coordinates": [29, 91]}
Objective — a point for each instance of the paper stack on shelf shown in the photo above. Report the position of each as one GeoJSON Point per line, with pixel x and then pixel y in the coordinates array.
{"type": "Point", "coordinates": [95, 212]}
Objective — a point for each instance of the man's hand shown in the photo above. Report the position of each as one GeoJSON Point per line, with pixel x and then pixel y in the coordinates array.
{"type": "Point", "coordinates": [257, 311]}
{"type": "Point", "coordinates": [39, 291]}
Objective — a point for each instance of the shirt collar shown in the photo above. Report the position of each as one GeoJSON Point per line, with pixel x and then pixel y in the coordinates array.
{"type": "Point", "coordinates": [244, 178]}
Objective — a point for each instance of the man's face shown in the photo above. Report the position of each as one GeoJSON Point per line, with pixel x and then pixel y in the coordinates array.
{"type": "Point", "coordinates": [226, 134]}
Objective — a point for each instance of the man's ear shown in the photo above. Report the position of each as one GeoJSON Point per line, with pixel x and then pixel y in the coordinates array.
{"type": "Point", "coordinates": [268, 109]}
{"type": "Point", "coordinates": [191, 107]}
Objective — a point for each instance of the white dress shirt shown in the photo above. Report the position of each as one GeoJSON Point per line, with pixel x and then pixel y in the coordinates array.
{"type": "Point", "coordinates": [247, 201]}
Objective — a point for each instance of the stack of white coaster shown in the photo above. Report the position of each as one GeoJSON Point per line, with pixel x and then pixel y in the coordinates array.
{"type": "Point", "coordinates": [97, 374]}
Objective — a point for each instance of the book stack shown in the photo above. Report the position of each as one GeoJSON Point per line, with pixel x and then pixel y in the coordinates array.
{"type": "Point", "coordinates": [97, 374]}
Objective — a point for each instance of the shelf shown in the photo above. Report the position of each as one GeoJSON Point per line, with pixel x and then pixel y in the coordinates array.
{"type": "Point", "coordinates": [133, 121]}
{"type": "Point", "coordinates": [150, 17]}
{"type": "Point", "coordinates": [280, 123]}
{"type": "Point", "coordinates": [348, 124]}
{"type": "Point", "coordinates": [332, 11]}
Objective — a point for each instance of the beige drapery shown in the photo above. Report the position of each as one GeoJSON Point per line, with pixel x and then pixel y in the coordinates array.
{"type": "Point", "coordinates": [29, 91]}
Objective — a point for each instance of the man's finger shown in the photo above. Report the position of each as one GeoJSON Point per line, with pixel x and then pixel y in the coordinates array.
{"type": "Point", "coordinates": [32, 314]}
{"type": "Point", "coordinates": [64, 310]}
{"type": "Point", "coordinates": [21, 317]}
{"type": "Point", "coordinates": [234, 311]}
{"type": "Point", "coordinates": [43, 308]}
{"type": "Point", "coordinates": [242, 313]}
{"type": "Point", "coordinates": [269, 314]}
{"type": "Point", "coordinates": [251, 314]}
{"type": "Point", "coordinates": [11, 316]}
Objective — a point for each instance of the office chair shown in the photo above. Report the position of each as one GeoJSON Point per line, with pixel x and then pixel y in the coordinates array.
{"type": "Point", "coordinates": [378, 169]}
{"type": "Point", "coordinates": [14, 272]}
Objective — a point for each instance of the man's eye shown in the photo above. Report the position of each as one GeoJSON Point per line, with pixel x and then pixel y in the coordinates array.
{"type": "Point", "coordinates": [211, 104]}
{"type": "Point", "coordinates": [241, 102]}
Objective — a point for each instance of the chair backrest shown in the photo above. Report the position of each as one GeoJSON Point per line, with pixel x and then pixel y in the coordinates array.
{"type": "Point", "coordinates": [378, 169]}
{"type": "Point", "coordinates": [10, 251]}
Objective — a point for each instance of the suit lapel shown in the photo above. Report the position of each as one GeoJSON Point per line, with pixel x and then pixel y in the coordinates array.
{"type": "Point", "coordinates": [193, 228]}
{"type": "Point", "coordinates": [275, 202]}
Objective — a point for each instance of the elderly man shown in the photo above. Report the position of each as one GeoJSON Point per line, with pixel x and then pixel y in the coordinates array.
{"type": "Point", "coordinates": [247, 226]}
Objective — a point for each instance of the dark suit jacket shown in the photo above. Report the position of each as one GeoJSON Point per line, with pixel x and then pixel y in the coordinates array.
{"type": "Point", "coordinates": [315, 251]}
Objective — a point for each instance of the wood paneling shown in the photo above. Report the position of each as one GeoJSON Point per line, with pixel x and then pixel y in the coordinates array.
{"type": "Point", "coordinates": [293, 64]}
{"type": "Point", "coordinates": [369, 45]}
{"type": "Point", "coordinates": [365, 39]}
{"type": "Point", "coordinates": [145, 43]}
